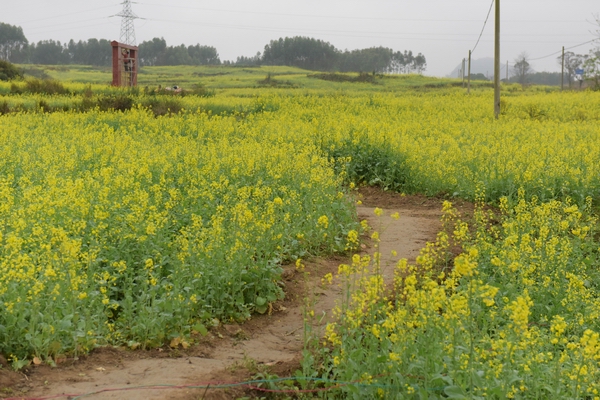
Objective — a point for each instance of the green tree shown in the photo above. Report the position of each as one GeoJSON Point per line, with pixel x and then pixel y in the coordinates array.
{"type": "Point", "coordinates": [9, 71]}
{"type": "Point", "coordinates": [302, 52]}
{"type": "Point", "coordinates": [572, 63]}
{"type": "Point", "coordinates": [419, 64]}
{"type": "Point", "coordinates": [175, 55]}
{"type": "Point", "coordinates": [152, 51]}
{"type": "Point", "coordinates": [407, 63]}
{"type": "Point", "coordinates": [249, 61]}
{"type": "Point", "coordinates": [49, 52]}
{"type": "Point", "coordinates": [90, 52]}
{"type": "Point", "coordinates": [479, 77]}
{"type": "Point", "coordinates": [156, 52]}
{"type": "Point", "coordinates": [12, 40]}
{"type": "Point", "coordinates": [591, 68]}
{"type": "Point", "coordinates": [376, 59]}
{"type": "Point", "coordinates": [203, 55]}
{"type": "Point", "coordinates": [318, 55]}
{"type": "Point", "coordinates": [522, 68]}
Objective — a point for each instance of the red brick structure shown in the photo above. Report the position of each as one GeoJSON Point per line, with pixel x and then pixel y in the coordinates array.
{"type": "Point", "coordinates": [124, 64]}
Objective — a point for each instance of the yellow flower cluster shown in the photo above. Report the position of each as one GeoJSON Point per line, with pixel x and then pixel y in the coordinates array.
{"type": "Point", "coordinates": [136, 228]}
{"type": "Point", "coordinates": [123, 227]}
{"type": "Point", "coordinates": [517, 308]}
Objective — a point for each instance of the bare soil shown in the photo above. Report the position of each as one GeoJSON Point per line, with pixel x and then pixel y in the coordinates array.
{"type": "Point", "coordinates": [270, 343]}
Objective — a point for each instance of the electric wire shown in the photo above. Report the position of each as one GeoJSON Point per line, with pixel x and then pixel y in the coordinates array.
{"type": "Point", "coordinates": [483, 28]}
{"type": "Point", "coordinates": [68, 28]}
{"type": "Point", "coordinates": [65, 24]}
{"type": "Point", "coordinates": [437, 37]}
{"type": "Point", "coordinates": [560, 51]}
{"type": "Point", "coordinates": [418, 36]}
{"type": "Point", "coordinates": [69, 14]}
{"type": "Point", "coordinates": [253, 384]}
{"type": "Point", "coordinates": [340, 16]}
{"type": "Point", "coordinates": [310, 15]}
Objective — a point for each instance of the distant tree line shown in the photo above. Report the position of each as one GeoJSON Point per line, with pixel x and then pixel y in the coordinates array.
{"type": "Point", "coordinates": [98, 52]}
{"type": "Point", "coordinates": [577, 69]}
{"type": "Point", "coordinates": [52, 52]}
{"type": "Point", "coordinates": [538, 78]}
{"type": "Point", "coordinates": [303, 52]}
{"type": "Point", "coordinates": [156, 52]}
{"type": "Point", "coordinates": [12, 40]}
{"type": "Point", "coordinates": [15, 47]}
{"type": "Point", "coordinates": [318, 55]}
{"type": "Point", "coordinates": [589, 63]}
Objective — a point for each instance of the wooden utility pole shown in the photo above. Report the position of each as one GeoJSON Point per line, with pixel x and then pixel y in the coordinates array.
{"type": "Point", "coordinates": [469, 75]}
{"type": "Point", "coordinates": [497, 63]}
{"type": "Point", "coordinates": [463, 73]}
{"type": "Point", "coordinates": [562, 70]}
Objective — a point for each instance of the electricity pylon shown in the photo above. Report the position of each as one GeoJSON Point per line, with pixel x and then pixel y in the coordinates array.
{"type": "Point", "coordinates": [127, 28]}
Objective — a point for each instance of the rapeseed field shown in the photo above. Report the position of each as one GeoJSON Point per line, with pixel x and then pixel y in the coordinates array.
{"type": "Point", "coordinates": [124, 227]}
{"type": "Point", "coordinates": [515, 315]}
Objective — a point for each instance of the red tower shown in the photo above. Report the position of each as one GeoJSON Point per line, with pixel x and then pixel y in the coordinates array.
{"type": "Point", "coordinates": [124, 64]}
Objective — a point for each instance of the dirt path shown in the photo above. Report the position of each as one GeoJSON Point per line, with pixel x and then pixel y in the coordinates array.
{"type": "Point", "coordinates": [232, 353]}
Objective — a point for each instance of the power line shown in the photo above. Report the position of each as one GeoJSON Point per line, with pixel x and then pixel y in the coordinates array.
{"type": "Point", "coordinates": [482, 29]}
{"type": "Point", "coordinates": [69, 14]}
{"type": "Point", "coordinates": [70, 28]}
{"type": "Point", "coordinates": [581, 44]}
{"type": "Point", "coordinates": [420, 36]}
{"type": "Point", "coordinates": [340, 16]}
{"type": "Point", "coordinates": [560, 51]}
{"type": "Point", "coordinates": [64, 24]}
{"type": "Point", "coordinates": [307, 15]}
{"type": "Point", "coordinates": [327, 31]}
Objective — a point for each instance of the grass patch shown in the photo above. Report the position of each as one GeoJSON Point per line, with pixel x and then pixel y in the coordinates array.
{"type": "Point", "coordinates": [362, 77]}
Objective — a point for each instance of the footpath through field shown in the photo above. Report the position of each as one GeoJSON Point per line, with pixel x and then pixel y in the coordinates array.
{"type": "Point", "coordinates": [231, 353]}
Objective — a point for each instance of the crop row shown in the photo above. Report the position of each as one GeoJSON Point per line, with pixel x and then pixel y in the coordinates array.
{"type": "Point", "coordinates": [124, 227]}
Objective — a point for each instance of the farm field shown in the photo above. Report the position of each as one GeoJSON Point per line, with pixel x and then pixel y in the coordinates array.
{"type": "Point", "coordinates": [139, 218]}
{"type": "Point", "coordinates": [239, 77]}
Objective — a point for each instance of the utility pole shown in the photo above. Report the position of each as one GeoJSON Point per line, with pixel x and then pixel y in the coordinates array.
{"type": "Point", "coordinates": [469, 76]}
{"type": "Point", "coordinates": [497, 63]}
{"type": "Point", "coordinates": [127, 28]}
{"type": "Point", "coordinates": [506, 71]}
{"type": "Point", "coordinates": [463, 73]}
{"type": "Point", "coordinates": [562, 70]}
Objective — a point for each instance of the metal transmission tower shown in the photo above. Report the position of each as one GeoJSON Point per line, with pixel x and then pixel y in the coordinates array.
{"type": "Point", "coordinates": [127, 28]}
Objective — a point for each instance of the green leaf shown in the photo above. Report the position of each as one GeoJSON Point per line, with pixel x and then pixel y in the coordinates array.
{"type": "Point", "coordinates": [200, 328]}
{"type": "Point", "coordinates": [353, 389]}
{"type": "Point", "coordinates": [261, 309]}
{"type": "Point", "coordinates": [271, 297]}
{"type": "Point", "coordinates": [260, 301]}
{"type": "Point", "coordinates": [478, 379]}
{"type": "Point", "coordinates": [455, 392]}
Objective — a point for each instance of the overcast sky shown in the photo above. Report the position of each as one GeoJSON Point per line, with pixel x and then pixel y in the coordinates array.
{"type": "Point", "coordinates": [443, 30]}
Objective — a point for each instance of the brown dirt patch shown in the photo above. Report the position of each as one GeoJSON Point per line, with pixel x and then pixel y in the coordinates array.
{"type": "Point", "coordinates": [375, 197]}
{"type": "Point", "coordinates": [270, 343]}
